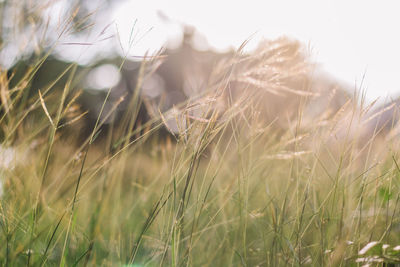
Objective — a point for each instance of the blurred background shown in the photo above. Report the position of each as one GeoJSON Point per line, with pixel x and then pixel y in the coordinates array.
{"type": "Point", "coordinates": [356, 42]}
{"type": "Point", "coordinates": [354, 46]}
{"type": "Point", "coordinates": [350, 39]}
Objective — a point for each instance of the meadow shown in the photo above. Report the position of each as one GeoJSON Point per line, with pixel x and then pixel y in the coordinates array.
{"type": "Point", "coordinates": [249, 177]}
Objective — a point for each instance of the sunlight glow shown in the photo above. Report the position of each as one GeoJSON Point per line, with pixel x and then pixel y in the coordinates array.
{"type": "Point", "coordinates": [349, 39]}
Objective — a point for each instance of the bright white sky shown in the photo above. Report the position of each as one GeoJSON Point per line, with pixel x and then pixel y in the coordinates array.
{"type": "Point", "coordinates": [349, 38]}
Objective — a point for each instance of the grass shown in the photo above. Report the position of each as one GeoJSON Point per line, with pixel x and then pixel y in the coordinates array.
{"type": "Point", "coordinates": [235, 186]}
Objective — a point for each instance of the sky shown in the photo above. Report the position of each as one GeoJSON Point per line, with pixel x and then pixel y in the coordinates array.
{"type": "Point", "coordinates": [354, 41]}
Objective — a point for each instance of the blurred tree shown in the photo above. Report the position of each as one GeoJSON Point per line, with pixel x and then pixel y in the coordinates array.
{"type": "Point", "coordinates": [29, 26]}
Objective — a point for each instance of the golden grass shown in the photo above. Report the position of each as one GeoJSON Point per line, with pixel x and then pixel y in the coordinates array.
{"type": "Point", "coordinates": [253, 177]}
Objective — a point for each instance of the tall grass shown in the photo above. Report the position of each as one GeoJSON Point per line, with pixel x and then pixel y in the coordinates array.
{"type": "Point", "coordinates": [236, 185]}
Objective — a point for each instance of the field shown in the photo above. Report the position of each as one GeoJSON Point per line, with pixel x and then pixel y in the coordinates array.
{"type": "Point", "coordinates": [231, 186]}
